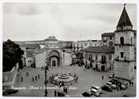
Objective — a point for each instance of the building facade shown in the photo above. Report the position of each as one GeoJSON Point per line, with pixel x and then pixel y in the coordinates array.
{"type": "Point", "coordinates": [46, 52]}
{"type": "Point", "coordinates": [99, 58]}
{"type": "Point", "coordinates": [108, 39]}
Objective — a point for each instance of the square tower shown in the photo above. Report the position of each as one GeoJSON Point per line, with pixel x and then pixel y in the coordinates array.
{"type": "Point", "coordinates": [124, 55]}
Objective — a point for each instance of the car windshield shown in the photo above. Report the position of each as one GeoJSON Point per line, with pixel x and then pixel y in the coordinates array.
{"type": "Point", "coordinates": [94, 87]}
{"type": "Point", "coordinates": [94, 90]}
{"type": "Point", "coordinates": [108, 83]}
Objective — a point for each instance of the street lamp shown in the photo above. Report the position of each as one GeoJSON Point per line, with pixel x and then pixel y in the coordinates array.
{"type": "Point", "coordinates": [45, 81]}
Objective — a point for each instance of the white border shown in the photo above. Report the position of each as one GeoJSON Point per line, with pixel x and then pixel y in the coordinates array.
{"type": "Point", "coordinates": [64, 1]}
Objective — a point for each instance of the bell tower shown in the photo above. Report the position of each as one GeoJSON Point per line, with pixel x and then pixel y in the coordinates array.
{"type": "Point", "coordinates": [124, 55]}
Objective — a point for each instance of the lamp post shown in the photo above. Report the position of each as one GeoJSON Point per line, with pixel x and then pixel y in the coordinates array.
{"type": "Point", "coordinates": [63, 56]}
{"type": "Point", "coordinates": [45, 81]}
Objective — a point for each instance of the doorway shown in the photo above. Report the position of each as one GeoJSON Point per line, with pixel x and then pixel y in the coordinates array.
{"type": "Point", "coordinates": [102, 68]}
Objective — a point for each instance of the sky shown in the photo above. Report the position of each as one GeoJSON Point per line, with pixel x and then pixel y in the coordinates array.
{"type": "Point", "coordinates": [66, 21]}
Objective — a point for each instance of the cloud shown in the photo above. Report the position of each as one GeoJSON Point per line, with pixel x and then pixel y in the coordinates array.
{"type": "Point", "coordinates": [30, 21]}
{"type": "Point", "coordinates": [22, 8]}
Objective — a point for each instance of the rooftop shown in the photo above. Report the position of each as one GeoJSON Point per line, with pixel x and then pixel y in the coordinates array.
{"type": "Point", "coordinates": [108, 34]}
{"type": "Point", "coordinates": [51, 38]}
{"type": "Point", "coordinates": [100, 49]}
{"type": "Point", "coordinates": [124, 19]}
{"type": "Point", "coordinates": [30, 46]}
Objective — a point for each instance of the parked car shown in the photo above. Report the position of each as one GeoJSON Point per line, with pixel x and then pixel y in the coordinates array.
{"type": "Point", "coordinates": [122, 85]}
{"type": "Point", "coordinates": [9, 91]}
{"type": "Point", "coordinates": [125, 83]}
{"type": "Point", "coordinates": [60, 94]}
{"type": "Point", "coordinates": [113, 86]}
{"type": "Point", "coordinates": [95, 90]}
{"type": "Point", "coordinates": [111, 75]}
{"type": "Point", "coordinates": [114, 81]}
{"type": "Point", "coordinates": [86, 94]}
{"type": "Point", "coordinates": [125, 95]}
{"type": "Point", "coordinates": [106, 88]}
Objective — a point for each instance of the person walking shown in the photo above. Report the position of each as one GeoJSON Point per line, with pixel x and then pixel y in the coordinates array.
{"type": "Point", "coordinates": [55, 93]}
{"type": "Point", "coordinates": [60, 84]}
{"type": "Point", "coordinates": [76, 79]}
{"type": "Point", "coordinates": [32, 79]}
{"type": "Point", "coordinates": [21, 78]}
{"type": "Point", "coordinates": [36, 78]}
{"type": "Point", "coordinates": [132, 83]}
{"type": "Point", "coordinates": [102, 77]}
{"type": "Point", "coordinates": [65, 89]}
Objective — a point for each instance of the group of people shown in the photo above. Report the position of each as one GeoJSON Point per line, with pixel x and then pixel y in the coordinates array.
{"type": "Point", "coordinates": [64, 90]}
{"type": "Point", "coordinates": [20, 78]}
{"type": "Point", "coordinates": [36, 78]}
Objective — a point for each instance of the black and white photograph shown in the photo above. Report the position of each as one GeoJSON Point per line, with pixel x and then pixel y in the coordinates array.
{"type": "Point", "coordinates": [69, 49]}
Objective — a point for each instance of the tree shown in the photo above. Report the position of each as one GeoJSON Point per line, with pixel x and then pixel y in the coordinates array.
{"type": "Point", "coordinates": [12, 54]}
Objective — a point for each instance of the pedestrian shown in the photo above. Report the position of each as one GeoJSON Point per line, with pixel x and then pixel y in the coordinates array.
{"type": "Point", "coordinates": [38, 76]}
{"type": "Point", "coordinates": [60, 83]}
{"type": "Point", "coordinates": [32, 79]}
{"type": "Point", "coordinates": [118, 88]}
{"type": "Point", "coordinates": [65, 89]}
{"type": "Point", "coordinates": [132, 84]}
{"type": "Point", "coordinates": [102, 77]}
{"type": "Point", "coordinates": [74, 75]}
{"type": "Point", "coordinates": [21, 78]}
{"type": "Point", "coordinates": [35, 78]}
{"type": "Point", "coordinates": [76, 79]}
{"type": "Point", "coordinates": [55, 93]}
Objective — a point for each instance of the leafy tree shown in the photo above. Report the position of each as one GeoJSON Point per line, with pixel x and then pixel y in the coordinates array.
{"type": "Point", "coordinates": [12, 54]}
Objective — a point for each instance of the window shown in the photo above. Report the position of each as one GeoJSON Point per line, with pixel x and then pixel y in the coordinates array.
{"type": "Point", "coordinates": [110, 43]}
{"type": "Point", "coordinates": [104, 41]}
{"type": "Point", "coordinates": [96, 67]}
{"type": "Point", "coordinates": [131, 40]}
{"type": "Point", "coordinates": [90, 57]}
{"type": "Point", "coordinates": [122, 40]}
{"type": "Point", "coordinates": [110, 57]}
{"type": "Point", "coordinates": [96, 57]}
{"type": "Point", "coordinates": [122, 54]}
{"type": "Point", "coordinates": [110, 37]}
{"type": "Point", "coordinates": [103, 59]}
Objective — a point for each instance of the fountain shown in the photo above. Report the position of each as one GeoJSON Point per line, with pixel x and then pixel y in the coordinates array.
{"type": "Point", "coordinates": [66, 79]}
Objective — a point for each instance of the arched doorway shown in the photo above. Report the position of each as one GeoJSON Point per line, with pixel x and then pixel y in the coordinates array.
{"type": "Point", "coordinates": [54, 58]}
{"type": "Point", "coordinates": [54, 61]}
